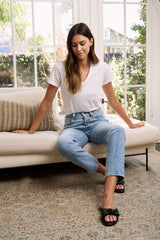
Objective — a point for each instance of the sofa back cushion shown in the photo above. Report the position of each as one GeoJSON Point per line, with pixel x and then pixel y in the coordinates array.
{"type": "Point", "coordinates": [15, 115]}
{"type": "Point", "coordinates": [23, 95]}
{"type": "Point", "coordinates": [28, 96]}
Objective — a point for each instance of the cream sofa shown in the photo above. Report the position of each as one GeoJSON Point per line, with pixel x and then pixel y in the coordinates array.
{"type": "Point", "coordinates": [41, 147]}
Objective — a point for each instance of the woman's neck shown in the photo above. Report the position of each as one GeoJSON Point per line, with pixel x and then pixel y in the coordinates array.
{"type": "Point", "coordinates": [84, 67]}
{"type": "Point", "coordinates": [84, 64]}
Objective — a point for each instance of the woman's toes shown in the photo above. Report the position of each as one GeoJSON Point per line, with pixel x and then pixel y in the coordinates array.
{"type": "Point", "coordinates": [110, 218]}
{"type": "Point", "coordinates": [107, 218]}
{"type": "Point", "coordinates": [119, 186]}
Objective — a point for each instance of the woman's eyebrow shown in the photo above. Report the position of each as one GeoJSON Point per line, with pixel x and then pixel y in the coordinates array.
{"type": "Point", "coordinates": [79, 42]}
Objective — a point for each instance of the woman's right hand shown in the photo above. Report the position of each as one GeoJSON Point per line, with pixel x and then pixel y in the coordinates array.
{"type": "Point", "coordinates": [22, 131]}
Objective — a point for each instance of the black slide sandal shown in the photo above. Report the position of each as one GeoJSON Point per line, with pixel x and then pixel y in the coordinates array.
{"type": "Point", "coordinates": [109, 211]}
{"type": "Point", "coordinates": [122, 182]}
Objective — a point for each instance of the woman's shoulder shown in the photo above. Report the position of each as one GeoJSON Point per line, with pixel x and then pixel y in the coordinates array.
{"type": "Point", "coordinates": [60, 65]}
{"type": "Point", "coordinates": [101, 65]}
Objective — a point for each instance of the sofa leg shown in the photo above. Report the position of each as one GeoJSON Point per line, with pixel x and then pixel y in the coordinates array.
{"type": "Point", "coordinates": [146, 159]}
{"type": "Point", "coordinates": [146, 153]}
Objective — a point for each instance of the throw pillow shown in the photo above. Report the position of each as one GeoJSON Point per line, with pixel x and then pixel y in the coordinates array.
{"type": "Point", "coordinates": [14, 115]}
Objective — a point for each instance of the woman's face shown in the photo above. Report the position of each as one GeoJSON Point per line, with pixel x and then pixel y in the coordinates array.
{"type": "Point", "coordinates": [81, 46]}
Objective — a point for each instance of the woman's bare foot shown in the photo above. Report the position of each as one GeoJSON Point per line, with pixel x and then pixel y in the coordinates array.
{"type": "Point", "coordinates": [108, 203]}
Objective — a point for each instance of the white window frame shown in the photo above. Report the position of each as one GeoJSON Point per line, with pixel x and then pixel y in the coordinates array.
{"type": "Point", "coordinates": [91, 12]}
{"type": "Point", "coordinates": [54, 46]}
{"type": "Point", "coordinates": [125, 46]}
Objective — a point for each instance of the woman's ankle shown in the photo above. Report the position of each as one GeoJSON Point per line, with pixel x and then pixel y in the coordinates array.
{"type": "Point", "coordinates": [101, 169]}
{"type": "Point", "coordinates": [107, 201]}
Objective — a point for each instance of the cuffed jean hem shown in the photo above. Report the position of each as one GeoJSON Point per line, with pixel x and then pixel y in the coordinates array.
{"type": "Point", "coordinates": [117, 174]}
{"type": "Point", "coordinates": [93, 170]}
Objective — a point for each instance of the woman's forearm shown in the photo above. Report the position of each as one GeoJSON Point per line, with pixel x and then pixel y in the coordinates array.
{"type": "Point", "coordinates": [43, 109]}
{"type": "Point", "coordinates": [120, 111]}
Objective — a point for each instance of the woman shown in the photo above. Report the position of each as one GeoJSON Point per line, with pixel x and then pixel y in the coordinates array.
{"type": "Point", "coordinates": [82, 77]}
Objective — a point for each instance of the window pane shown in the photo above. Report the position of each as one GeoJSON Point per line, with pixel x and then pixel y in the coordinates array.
{"type": "Point", "coordinates": [6, 70]}
{"type": "Point", "coordinates": [46, 18]}
{"type": "Point", "coordinates": [115, 58]}
{"type": "Point", "coordinates": [136, 23]}
{"type": "Point", "coordinates": [25, 69]}
{"type": "Point", "coordinates": [22, 14]}
{"type": "Point", "coordinates": [43, 23]}
{"type": "Point", "coordinates": [45, 62]}
{"type": "Point", "coordinates": [6, 57]}
{"type": "Point", "coordinates": [4, 50]}
{"type": "Point", "coordinates": [136, 103]}
{"type": "Point", "coordinates": [113, 22]}
{"type": "Point", "coordinates": [5, 23]}
{"type": "Point", "coordinates": [63, 21]}
{"type": "Point", "coordinates": [136, 65]}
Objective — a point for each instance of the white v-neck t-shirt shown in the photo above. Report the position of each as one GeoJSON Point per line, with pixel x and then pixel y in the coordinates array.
{"type": "Point", "coordinates": [90, 96]}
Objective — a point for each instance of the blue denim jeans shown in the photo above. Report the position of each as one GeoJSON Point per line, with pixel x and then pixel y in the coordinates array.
{"type": "Point", "coordinates": [81, 128]}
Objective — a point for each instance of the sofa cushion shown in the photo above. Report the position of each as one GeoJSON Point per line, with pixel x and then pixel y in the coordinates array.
{"type": "Point", "coordinates": [23, 95]}
{"type": "Point", "coordinates": [46, 141]}
{"type": "Point", "coordinates": [39, 142]}
{"type": "Point", "coordinates": [20, 116]}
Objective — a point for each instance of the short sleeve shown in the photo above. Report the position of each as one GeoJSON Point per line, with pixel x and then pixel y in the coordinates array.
{"type": "Point", "coordinates": [108, 75]}
{"type": "Point", "coordinates": [55, 77]}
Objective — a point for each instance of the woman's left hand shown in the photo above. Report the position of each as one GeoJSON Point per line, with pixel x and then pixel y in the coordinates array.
{"type": "Point", "coordinates": [138, 124]}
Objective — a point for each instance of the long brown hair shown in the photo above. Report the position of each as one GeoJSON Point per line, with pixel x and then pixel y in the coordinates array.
{"type": "Point", "coordinates": [71, 67]}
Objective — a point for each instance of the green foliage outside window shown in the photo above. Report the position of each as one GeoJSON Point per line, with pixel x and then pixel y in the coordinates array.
{"type": "Point", "coordinates": [24, 69]}
{"type": "Point", "coordinates": [136, 72]}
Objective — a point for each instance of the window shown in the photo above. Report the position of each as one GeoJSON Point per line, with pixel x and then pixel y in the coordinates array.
{"type": "Point", "coordinates": [32, 38]}
{"type": "Point", "coordinates": [125, 52]}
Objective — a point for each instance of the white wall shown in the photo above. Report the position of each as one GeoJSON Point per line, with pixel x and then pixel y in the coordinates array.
{"type": "Point", "coordinates": [153, 64]}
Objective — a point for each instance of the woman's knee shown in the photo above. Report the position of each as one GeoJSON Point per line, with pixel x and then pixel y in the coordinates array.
{"type": "Point", "coordinates": [62, 144]}
{"type": "Point", "coordinates": [121, 130]}
{"type": "Point", "coordinates": [117, 130]}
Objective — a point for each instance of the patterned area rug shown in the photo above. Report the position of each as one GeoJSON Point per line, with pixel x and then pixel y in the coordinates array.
{"type": "Point", "coordinates": [60, 202]}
